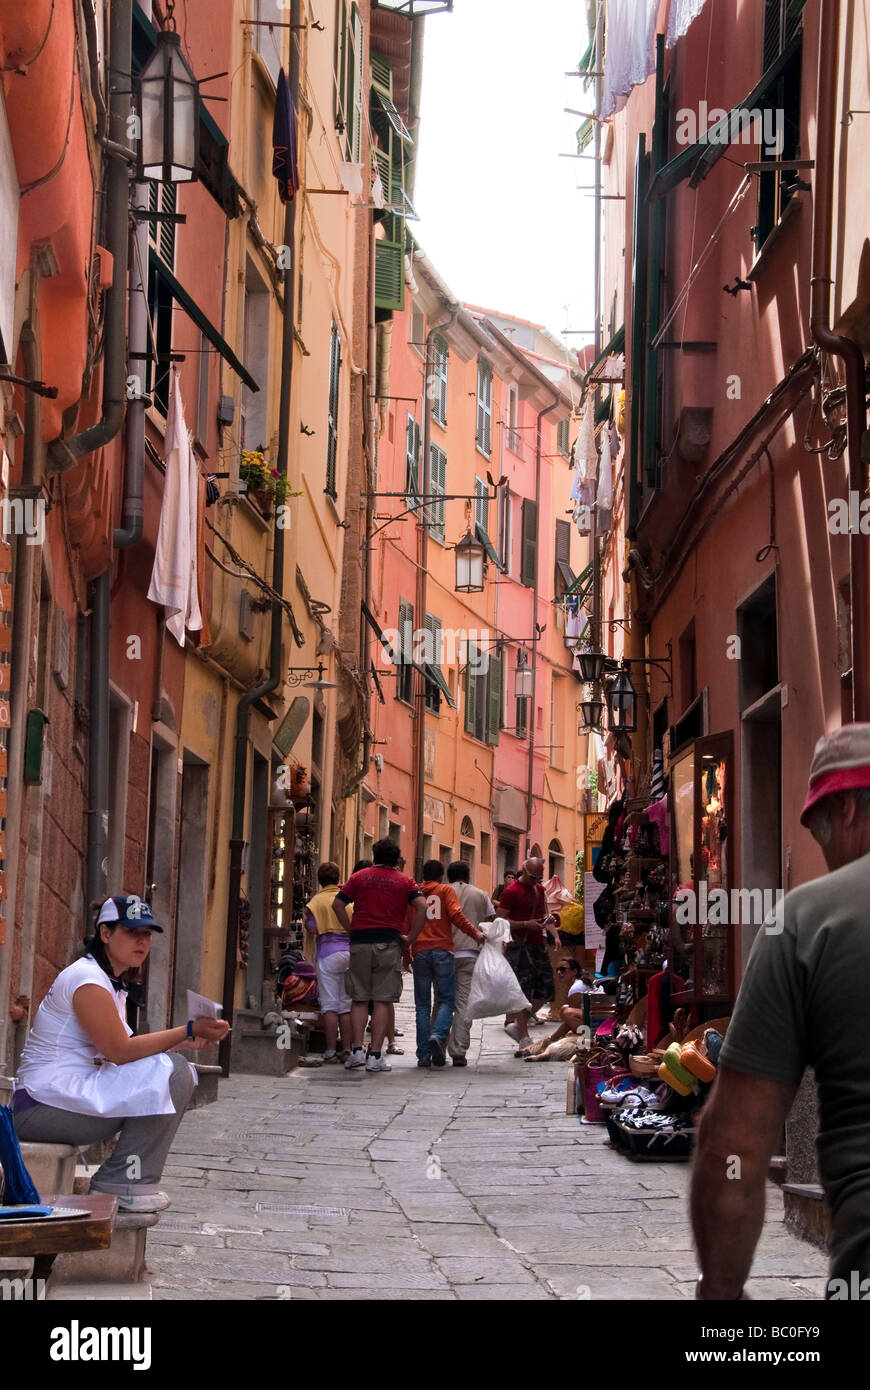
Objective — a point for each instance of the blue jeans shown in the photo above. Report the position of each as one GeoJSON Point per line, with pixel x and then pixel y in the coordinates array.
{"type": "Point", "coordinates": [433, 968]}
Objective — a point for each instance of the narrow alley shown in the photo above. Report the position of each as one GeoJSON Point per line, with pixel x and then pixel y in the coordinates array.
{"type": "Point", "coordinates": [430, 1185]}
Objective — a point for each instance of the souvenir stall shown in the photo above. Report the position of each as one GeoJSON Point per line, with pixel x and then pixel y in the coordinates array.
{"type": "Point", "coordinates": [664, 858]}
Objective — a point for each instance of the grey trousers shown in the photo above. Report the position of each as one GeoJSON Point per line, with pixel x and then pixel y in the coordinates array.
{"type": "Point", "coordinates": [143, 1143]}
{"type": "Point", "coordinates": [460, 1034]}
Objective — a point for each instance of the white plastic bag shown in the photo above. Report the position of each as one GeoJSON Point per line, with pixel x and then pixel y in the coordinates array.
{"type": "Point", "coordinates": [498, 932]}
{"type": "Point", "coordinates": [495, 988]}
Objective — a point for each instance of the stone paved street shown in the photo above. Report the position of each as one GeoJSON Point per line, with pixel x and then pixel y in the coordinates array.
{"type": "Point", "coordinates": [469, 1184]}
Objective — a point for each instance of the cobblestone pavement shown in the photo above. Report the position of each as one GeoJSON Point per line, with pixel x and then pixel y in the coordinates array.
{"type": "Point", "coordinates": [453, 1184]}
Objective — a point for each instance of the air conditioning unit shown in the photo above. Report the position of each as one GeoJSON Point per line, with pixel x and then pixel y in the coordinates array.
{"type": "Point", "coordinates": [378, 761]}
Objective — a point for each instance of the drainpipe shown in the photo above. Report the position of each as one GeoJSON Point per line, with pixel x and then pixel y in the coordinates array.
{"type": "Point", "coordinates": [137, 335]}
{"type": "Point", "coordinates": [425, 484]}
{"type": "Point", "coordinates": [530, 794]}
{"type": "Point", "coordinates": [273, 680]}
{"type": "Point", "coordinates": [66, 453]}
{"type": "Point", "coordinates": [850, 352]}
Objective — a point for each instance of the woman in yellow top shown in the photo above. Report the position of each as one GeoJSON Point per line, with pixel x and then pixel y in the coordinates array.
{"type": "Point", "coordinates": [332, 959]}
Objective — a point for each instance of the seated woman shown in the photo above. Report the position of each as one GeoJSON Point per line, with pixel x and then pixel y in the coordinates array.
{"type": "Point", "coordinates": [572, 1012]}
{"type": "Point", "coordinates": [83, 1076]}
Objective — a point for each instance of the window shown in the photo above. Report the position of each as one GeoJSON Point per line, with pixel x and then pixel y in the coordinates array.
{"type": "Point", "coordinates": [782, 102]}
{"type": "Point", "coordinates": [349, 72]}
{"type": "Point", "coordinates": [268, 41]}
{"type": "Point", "coordinates": [563, 437]}
{"type": "Point", "coordinates": [437, 488]}
{"type": "Point", "coordinates": [557, 723]}
{"type": "Point", "coordinates": [332, 418]}
{"type": "Point", "coordinates": [390, 136]}
{"type": "Point", "coordinates": [504, 528]}
{"type": "Point", "coordinates": [439, 381]}
{"type": "Point", "coordinates": [522, 724]}
{"type": "Point", "coordinates": [483, 436]}
{"type": "Point", "coordinates": [758, 666]}
{"type": "Point", "coordinates": [412, 463]}
{"type": "Point", "coordinates": [556, 856]}
{"type": "Point", "coordinates": [416, 325]}
{"type": "Point", "coordinates": [483, 696]}
{"type": "Point", "coordinates": [529, 557]}
{"type": "Point", "coordinates": [481, 504]}
{"type": "Point", "coordinates": [254, 410]}
{"type": "Point", "coordinates": [513, 415]}
{"type": "Point", "coordinates": [433, 657]}
{"type": "Point", "coordinates": [466, 854]}
{"type": "Point", "coordinates": [405, 671]}
{"type": "Point", "coordinates": [162, 197]}
{"type": "Point", "coordinates": [485, 841]}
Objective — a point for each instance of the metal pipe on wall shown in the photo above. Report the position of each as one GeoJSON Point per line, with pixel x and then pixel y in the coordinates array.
{"type": "Point", "coordinates": [530, 794]}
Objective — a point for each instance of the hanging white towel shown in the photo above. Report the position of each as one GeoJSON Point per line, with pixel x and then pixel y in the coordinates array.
{"type": "Point", "coordinates": [585, 452]}
{"type": "Point", "coordinates": [174, 576]}
{"type": "Point", "coordinates": [604, 497]}
{"type": "Point", "coordinates": [682, 14]}
{"type": "Point", "coordinates": [630, 50]}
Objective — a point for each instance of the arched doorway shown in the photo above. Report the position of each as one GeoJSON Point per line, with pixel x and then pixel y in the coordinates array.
{"type": "Point", "coordinates": [556, 860]}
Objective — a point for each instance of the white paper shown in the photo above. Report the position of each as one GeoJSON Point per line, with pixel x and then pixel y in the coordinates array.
{"type": "Point", "coordinates": [200, 1007]}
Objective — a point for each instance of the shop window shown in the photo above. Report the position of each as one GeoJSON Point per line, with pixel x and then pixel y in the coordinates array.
{"type": "Point", "coordinates": [758, 667]}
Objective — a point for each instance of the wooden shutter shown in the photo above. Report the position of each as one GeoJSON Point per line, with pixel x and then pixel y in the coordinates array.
{"type": "Point", "coordinates": [437, 484]}
{"type": "Point", "coordinates": [484, 408]}
{"type": "Point", "coordinates": [563, 541]}
{"type": "Point", "coordinates": [470, 689]}
{"type": "Point", "coordinates": [412, 461]}
{"type": "Point", "coordinates": [439, 373]}
{"type": "Point", "coordinates": [340, 59]}
{"type": "Point", "coordinates": [493, 699]}
{"type": "Point", "coordinates": [529, 562]}
{"type": "Point", "coordinates": [334, 401]}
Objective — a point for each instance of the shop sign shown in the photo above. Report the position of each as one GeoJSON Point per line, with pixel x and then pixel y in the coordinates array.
{"type": "Point", "coordinates": [434, 809]}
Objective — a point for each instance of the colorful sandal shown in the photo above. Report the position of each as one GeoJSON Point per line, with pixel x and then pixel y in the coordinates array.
{"type": "Point", "coordinates": [667, 1075]}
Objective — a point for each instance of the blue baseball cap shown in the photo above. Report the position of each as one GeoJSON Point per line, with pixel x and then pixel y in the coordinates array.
{"type": "Point", "coordinates": [128, 910]}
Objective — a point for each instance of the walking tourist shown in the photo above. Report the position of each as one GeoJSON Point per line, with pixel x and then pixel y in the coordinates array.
{"type": "Point", "coordinates": [478, 908]}
{"type": "Point", "coordinates": [83, 1076]}
{"type": "Point", "coordinates": [802, 1003]}
{"type": "Point", "coordinates": [524, 904]}
{"type": "Point", "coordinates": [432, 953]}
{"type": "Point", "coordinates": [509, 878]}
{"type": "Point", "coordinates": [380, 896]}
{"type": "Point", "coordinates": [331, 963]}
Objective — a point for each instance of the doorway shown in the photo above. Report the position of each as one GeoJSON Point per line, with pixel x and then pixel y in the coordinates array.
{"type": "Point", "coordinates": [191, 909]}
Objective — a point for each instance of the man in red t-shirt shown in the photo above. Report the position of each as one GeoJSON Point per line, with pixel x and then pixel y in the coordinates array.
{"type": "Point", "coordinates": [524, 904]}
{"type": "Point", "coordinates": [380, 896]}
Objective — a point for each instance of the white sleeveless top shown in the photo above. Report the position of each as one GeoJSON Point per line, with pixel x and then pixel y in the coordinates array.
{"type": "Point", "coordinates": [60, 1065]}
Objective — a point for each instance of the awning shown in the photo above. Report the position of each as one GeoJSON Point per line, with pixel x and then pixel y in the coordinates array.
{"type": "Point", "coordinates": [431, 674]}
{"type": "Point", "coordinates": [695, 161]}
{"type": "Point", "coordinates": [192, 309]}
{"type": "Point", "coordinates": [616, 345]}
{"type": "Point", "coordinates": [487, 544]}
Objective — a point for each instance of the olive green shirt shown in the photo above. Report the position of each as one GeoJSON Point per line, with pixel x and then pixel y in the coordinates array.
{"type": "Point", "coordinates": [805, 1001]}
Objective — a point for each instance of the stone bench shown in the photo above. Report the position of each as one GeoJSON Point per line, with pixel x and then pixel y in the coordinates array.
{"type": "Point", "coordinates": [51, 1166]}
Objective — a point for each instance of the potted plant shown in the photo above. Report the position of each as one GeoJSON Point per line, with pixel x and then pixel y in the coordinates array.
{"type": "Point", "coordinates": [257, 476]}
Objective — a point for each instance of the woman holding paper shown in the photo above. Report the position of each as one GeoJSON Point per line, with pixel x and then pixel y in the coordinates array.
{"type": "Point", "coordinates": [83, 1076]}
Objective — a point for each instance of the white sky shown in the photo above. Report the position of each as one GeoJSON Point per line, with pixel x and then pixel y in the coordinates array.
{"type": "Point", "coordinates": [500, 216]}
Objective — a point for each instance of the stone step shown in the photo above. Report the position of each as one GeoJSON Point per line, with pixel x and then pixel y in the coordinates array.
{"type": "Point", "coordinates": [206, 1091]}
{"type": "Point", "coordinates": [89, 1293]}
{"type": "Point", "coordinates": [52, 1166]}
{"type": "Point", "coordinates": [122, 1263]}
{"type": "Point", "coordinates": [806, 1212]}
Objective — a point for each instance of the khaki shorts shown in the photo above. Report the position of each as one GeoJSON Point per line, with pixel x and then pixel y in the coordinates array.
{"type": "Point", "coordinates": [375, 972]}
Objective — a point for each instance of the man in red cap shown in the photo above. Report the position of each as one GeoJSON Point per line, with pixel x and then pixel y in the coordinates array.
{"type": "Point", "coordinates": [802, 1003]}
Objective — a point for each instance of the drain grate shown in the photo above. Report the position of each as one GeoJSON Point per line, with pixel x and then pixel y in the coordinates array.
{"type": "Point", "coordinates": [293, 1210]}
{"type": "Point", "coordinates": [193, 1228]}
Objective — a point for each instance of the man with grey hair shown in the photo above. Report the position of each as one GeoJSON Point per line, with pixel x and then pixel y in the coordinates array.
{"type": "Point", "coordinates": [802, 1003]}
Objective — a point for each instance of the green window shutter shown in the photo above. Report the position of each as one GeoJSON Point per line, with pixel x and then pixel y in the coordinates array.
{"type": "Point", "coordinates": [529, 561]}
{"type": "Point", "coordinates": [340, 60]}
{"type": "Point", "coordinates": [382, 76]}
{"type": "Point", "coordinates": [390, 275]}
{"type": "Point", "coordinates": [493, 699]}
{"type": "Point", "coordinates": [412, 462]}
{"type": "Point", "coordinates": [437, 485]}
{"type": "Point", "coordinates": [563, 432]}
{"type": "Point", "coordinates": [470, 690]}
{"type": "Point", "coordinates": [481, 504]}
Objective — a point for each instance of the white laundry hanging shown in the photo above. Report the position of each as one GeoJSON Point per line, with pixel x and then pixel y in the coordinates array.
{"type": "Point", "coordinates": [174, 576]}
{"type": "Point", "coordinates": [630, 50]}
{"type": "Point", "coordinates": [604, 497]}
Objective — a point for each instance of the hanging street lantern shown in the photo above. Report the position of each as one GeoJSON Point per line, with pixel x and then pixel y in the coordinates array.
{"type": "Point", "coordinates": [168, 113]}
{"type": "Point", "coordinates": [469, 565]}
{"type": "Point", "coordinates": [621, 699]}
{"type": "Point", "coordinates": [523, 679]}
{"type": "Point", "coordinates": [591, 711]}
{"type": "Point", "coordinates": [590, 664]}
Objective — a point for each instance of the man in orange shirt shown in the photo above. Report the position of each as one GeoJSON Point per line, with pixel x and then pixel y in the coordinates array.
{"type": "Point", "coordinates": [432, 954]}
